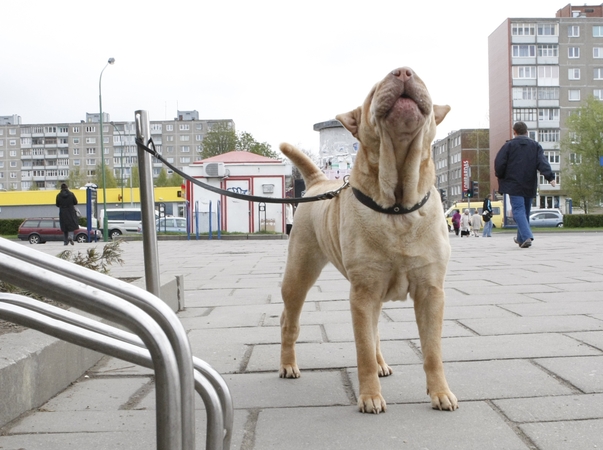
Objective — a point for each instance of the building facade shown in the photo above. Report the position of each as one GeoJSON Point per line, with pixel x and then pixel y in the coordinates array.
{"type": "Point", "coordinates": [460, 159]}
{"type": "Point", "coordinates": [41, 156]}
{"type": "Point", "coordinates": [539, 72]}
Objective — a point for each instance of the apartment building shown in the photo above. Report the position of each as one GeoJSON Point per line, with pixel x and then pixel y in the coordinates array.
{"type": "Point", "coordinates": [539, 72]}
{"type": "Point", "coordinates": [43, 154]}
{"type": "Point", "coordinates": [461, 158]}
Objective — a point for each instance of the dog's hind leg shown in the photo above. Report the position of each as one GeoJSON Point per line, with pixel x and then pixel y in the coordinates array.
{"type": "Point", "coordinates": [429, 312]}
{"type": "Point", "coordinates": [303, 269]}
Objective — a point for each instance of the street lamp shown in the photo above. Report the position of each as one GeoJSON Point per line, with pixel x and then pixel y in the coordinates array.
{"type": "Point", "coordinates": [100, 107]}
{"type": "Point", "coordinates": [121, 169]}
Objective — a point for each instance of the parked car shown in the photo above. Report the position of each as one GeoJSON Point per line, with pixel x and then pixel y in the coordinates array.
{"type": "Point", "coordinates": [38, 230]}
{"type": "Point", "coordinates": [546, 218]}
{"type": "Point", "coordinates": [168, 225]}
{"type": "Point", "coordinates": [120, 221]}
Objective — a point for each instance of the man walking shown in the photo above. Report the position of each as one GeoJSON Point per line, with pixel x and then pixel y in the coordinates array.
{"type": "Point", "coordinates": [516, 166]}
{"type": "Point", "coordinates": [66, 201]}
{"type": "Point", "coordinates": [487, 216]}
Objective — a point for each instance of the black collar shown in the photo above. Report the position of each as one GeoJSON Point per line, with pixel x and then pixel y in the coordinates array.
{"type": "Point", "coordinates": [396, 209]}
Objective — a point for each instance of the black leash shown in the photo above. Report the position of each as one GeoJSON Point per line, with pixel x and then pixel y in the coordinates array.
{"type": "Point", "coordinates": [251, 198]}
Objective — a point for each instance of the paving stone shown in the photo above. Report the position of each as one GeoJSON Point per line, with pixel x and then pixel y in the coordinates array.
{"type": "Point", "coordinates": [527, 325]}
{"type": "Point", "coordinates": [586, 373]}
{"type": "Point", "coordinates": [575, 434]}
{"type": "Point", "coordinates": [552, 409]}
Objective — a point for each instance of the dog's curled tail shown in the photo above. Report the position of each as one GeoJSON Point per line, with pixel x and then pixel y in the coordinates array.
{"type": "Point", "coordinates": [310, 171]}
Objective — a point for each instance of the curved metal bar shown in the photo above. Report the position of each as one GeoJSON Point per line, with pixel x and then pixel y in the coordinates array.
{"type": "Point", "coordinates": [153, 306]}
{"type": "Point", "coordinates": [106, 305]}
{"type": "Point", "coordinates": [219, 424]}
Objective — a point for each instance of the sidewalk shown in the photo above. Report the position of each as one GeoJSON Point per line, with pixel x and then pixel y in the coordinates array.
{"type": "Point", "coordinates": [522, 346]}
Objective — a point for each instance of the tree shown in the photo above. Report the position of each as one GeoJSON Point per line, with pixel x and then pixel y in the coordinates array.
{"type": "Point", "coordinates": [135, 176]}
{"type": "Point", "coordinates": [162, 178]}
{"type": "Point", "coordinates": [76, 178]}
{"type": "Point", "coordinates": [175, 180]}
{"type": "Point", "coordinates": [220, 139]}
{"type": "Point", "coordinates": [110, 181]}
{"type": "Point", "coordinates": [223, 139]}
{"type": "Point", "coordinates": [581, 149]}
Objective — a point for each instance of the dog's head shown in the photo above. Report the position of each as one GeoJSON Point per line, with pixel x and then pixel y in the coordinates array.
{"type": "Point", "coordinates": [395, 127]}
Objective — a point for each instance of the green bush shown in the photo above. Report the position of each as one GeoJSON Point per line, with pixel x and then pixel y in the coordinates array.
{"type": "Point", "coordinates": [583, 220]}
{"type": "Point", "coordinates": [9, 227]}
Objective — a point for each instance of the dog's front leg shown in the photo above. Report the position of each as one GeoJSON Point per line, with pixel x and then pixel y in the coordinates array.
{"type": "Point", "coordinates": [365, 317]}
{"type": "Point", "coordinates": [429, 312]}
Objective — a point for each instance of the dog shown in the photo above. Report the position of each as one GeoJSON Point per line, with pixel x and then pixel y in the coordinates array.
{"type": "Point", "coordinates": [386, 234]}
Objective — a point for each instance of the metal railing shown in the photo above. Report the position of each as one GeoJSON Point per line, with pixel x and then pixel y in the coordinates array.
{"type": "Point", "coordinates": [159, 339]}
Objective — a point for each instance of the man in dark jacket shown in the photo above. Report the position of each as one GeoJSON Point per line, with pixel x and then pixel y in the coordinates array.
{"type": "Point", "coordinates": [66, 202]}
{"type": "Point", "coordinates": [516, 166]}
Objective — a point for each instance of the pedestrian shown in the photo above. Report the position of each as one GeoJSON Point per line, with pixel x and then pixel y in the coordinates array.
{"type": "Point", "coordinates": [66, 202]}
{"type": "Point", "coordinates": [289, 217]}
{"type": "Point", "coordinates": [465, 224]}
{"type": "Point", "coordinates": [476, 223]}
{"type": "Point", "coordinates": [487, 216]}
{"type": "Point", "coordinates": [516, 166]}
{"type": "Point", "coordinates": [456, 221]}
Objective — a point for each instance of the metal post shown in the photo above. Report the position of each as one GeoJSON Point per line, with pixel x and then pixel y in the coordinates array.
{"type": "Point", "coordinates": [147, 205]}
{"type": "Point", "coordinates": [100, 107]}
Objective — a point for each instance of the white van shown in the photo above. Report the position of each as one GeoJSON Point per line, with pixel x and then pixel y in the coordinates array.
{"type": "Point", "coordinates": [120, 221]}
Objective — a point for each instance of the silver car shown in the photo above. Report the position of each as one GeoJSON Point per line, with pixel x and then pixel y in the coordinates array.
{"type": "Point", "coordinates": [552, 218]}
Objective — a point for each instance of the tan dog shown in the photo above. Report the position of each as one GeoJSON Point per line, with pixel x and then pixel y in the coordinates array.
{"type": "Point", "coordinates": [386, 255]}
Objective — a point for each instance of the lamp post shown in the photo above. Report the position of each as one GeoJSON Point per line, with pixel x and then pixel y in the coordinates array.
{"type": "Point", "coordinates": [100, 107]}
{"type": "Point", "coordinates": [121, 169]}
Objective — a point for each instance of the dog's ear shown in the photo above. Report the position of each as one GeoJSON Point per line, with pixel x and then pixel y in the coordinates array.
{"type": "Point", "coordinates": [351, 120]}
{"type": "Point", "coordinates": [440, 112]}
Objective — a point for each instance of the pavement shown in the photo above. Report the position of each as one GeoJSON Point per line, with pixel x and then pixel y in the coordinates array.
{"type": "Point", "coordinates": [522, 348]}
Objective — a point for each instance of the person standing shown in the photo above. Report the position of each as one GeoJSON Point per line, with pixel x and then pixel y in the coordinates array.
{"type": "Point", "coordinates": [456, 221]}
{"type": "Point", "coordinates": [516, 166]}
{"type": "Point", "coordinates": [487, 216]}
{"type": "Point", "coordinates": [476, 223]}
{"type": "Point", "coordinates": [66, 202]}
{"type": "Point", "coordinates": [288, 217]}
{"type": "Point", "coordinates": [465, 224]}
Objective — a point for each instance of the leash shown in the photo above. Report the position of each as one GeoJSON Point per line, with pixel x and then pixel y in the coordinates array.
{"type": "Point", "coordinates": [251, 198]}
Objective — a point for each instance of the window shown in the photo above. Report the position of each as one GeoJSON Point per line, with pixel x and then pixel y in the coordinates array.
{"type": "Point", "coordinates": [524, 115]}
{"type": "Point", "coordinates": [598, 93]}
{"type": "Point", "coordinates": [75, 129]}
{"type": "Point", "coordinates": [598, 73]}
{"type": "Point", "coordinates": [573, 74]}
{"type": "Point", "coordinates": [524, 51]}
{"type": "Point", "coordinates": [169, 138]}
{"type": "Point", "coordinates": [548, 135]}
{"type": "Point", "coordinates": [573, 31]}
{"type": "Point", "coordinates": [169, 128]}
{"type": "Point", "coordinates": [91, 151]}
{"type": "Point", "coordinates": [548, 114]}
{"type": "Point", "coordinates": [184, 137]}
{"type": "Point", "coordinates": [198, 137]}
{"type": "Point", "coordinates": [91, 140]}
{"type": "Point", "coordinates": [91, 162]}
{"type": "Point", "coordinates": [522, 29]}
{"type": "Point", "coordinates": [548, 93]}
{"type": "Point", "coordinates": [575, 158]}
{"type": "Point", "coordinates": [547, 29]}
{"type": "Point", "coordinates": [184, 127]}
{"type": "Point", "coordinates": [573, 95]}
{"type": "Point", "coordinates": [90, 129]}
{"type": "Point", "coordinates": [185, 149]}
{"type": "Point", "coordinates": [185, 159]}
{"type": "Point", "coordinates": [548, 75]}
{"type": "Point", "coordinates": [573, 52]}
{"type": "Point", "coordinates": [524, 72]}
{"type": "Point", "coordinates": [548, 50]}
{"type": "Point", "coordinates": [598, 52]}
{"type": "Point", "coordinates": [598, 31]}
{"type": "Point", "coordinates": [552, 157]}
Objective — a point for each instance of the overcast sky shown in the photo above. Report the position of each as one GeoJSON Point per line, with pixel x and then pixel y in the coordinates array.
{"type": "Point", "coordinates": [275, 67]}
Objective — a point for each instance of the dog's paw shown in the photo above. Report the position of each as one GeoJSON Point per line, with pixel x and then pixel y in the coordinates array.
{"type": "Point", "coordinates": [385, 370]}
{"type": "Point", "coordinates": [444, 401]}
{"type": "Point", "coordinates": [371, 404]}
{"type": "Point", "coordinates": [289, 371]}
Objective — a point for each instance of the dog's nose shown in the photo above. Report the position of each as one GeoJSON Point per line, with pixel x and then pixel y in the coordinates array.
{"type": "Point", "coordinates": [404, 73]}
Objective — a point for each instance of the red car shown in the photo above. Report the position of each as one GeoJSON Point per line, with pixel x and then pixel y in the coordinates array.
{"type": "Point", "coordinates": [38, 230]}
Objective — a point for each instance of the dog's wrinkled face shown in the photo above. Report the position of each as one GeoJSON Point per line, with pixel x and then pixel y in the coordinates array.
{"type": "Point", "coordinates": [395, 126]}
{"type": "Point", "coordinates": [401, 101]}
